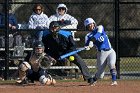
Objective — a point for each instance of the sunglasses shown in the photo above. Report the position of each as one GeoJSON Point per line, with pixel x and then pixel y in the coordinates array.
{"type": "Point", "coordinates": [38, 9]}
{"type": "Point", "coordinates": [61, 8]}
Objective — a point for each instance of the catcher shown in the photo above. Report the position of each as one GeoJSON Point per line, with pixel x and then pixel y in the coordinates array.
{"type": "Point", "coordinates": [35, 65]}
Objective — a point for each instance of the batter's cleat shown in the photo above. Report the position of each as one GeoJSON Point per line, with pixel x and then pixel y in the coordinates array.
{"type": "Point", "coordinates": [114, 83]}
{"type": "Point", "coordinates": [93, 84]}
{"type": "Point", "coordinates": [92, 81]}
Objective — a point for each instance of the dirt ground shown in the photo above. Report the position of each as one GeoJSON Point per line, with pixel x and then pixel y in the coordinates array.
{"type": "Point", "coordinates": [74, 87]}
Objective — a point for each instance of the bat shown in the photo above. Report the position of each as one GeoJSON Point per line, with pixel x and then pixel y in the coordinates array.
{"type": "Point", "coordinates": [71, 53]}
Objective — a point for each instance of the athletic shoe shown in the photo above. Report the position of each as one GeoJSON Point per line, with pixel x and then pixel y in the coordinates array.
{"type": "Point", "coordinates": [93, 84]}
{"type": "Point", "coordinates": [114, 83]}
{"type": "Point", "coordinates": [92, 81]}
{"type": "Point", "coordinates": [22, 82]}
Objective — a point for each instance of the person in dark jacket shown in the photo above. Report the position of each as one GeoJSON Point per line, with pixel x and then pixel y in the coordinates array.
{"type": "Point", "coordinates": [12, 20]}
{"type": "Point", "coordinates": [58, 42]}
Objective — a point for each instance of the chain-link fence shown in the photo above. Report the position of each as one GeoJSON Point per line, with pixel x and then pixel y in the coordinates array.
{"type": "Point", "coordinates": [20, 40]}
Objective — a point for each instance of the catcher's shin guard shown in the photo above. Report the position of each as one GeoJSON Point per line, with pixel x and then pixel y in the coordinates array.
{"type": "Point", "coordinates": [22, 78]}
{"type": "Point", "coordinates": [22, 75]}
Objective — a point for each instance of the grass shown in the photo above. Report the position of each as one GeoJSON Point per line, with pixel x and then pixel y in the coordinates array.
{"type": "Point", "coordinates": [7, 82]}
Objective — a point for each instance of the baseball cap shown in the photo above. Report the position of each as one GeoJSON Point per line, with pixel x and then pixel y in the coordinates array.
{"type": "Point", "coordinates": [89, 21]}
{"type": "Point", "coordinates": [54, 24]}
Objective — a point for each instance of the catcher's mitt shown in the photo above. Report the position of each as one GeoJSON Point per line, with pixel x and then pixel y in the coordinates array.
{"type": "Point", "coordinates": [46, 61]}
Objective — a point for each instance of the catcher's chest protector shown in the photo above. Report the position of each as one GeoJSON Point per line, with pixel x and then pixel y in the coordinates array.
{"type": "Point", "coordinates": [34, 60]}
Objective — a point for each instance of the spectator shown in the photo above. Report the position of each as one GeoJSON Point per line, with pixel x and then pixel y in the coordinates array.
{"type": "Point", "coordinates": [39, 20]}
{"type": "Point", "coordinates": [106, 54]}
{"type": "Point", "coordinates": [12, 20]}
{"type": "Point", "coordinates": [58, 42]}
{"type": "Point", "coordinates": [12, 25]}
{"type": "Point", "coordinates": [65, 20]}
{"type": "Point", "coordinates": [30, 68]}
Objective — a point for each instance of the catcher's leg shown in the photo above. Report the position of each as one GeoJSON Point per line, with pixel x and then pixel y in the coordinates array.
{"type": "Point", "coordinates": [23, 67]}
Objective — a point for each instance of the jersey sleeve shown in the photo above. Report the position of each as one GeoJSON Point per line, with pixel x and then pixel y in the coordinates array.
{"type": "Point", "coordinates": [87, 39]}
{"type": "Point", "coordinates": [47, 21]}
{"type": "Point", "coordinates": [31, 23]}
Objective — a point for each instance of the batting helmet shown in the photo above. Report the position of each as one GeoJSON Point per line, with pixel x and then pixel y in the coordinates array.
{"type": "Point", "coordinates": [89, 21]}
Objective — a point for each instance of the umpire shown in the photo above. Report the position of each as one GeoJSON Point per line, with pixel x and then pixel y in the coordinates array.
{"type": "Point", "coordinates": [58, 42]}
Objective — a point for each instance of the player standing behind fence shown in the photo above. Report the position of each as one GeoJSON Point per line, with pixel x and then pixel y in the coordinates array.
{"type": "Point", "coordinates": [106, 54]}
{"type": "Point", "coordinates": [65, 20]}
{"type": "Point", "coordinates": [38, 20]}
{"type": "Point", "coordinates": [31, 70]}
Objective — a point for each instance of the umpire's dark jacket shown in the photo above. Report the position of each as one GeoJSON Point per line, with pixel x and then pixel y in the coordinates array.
{"type": "Point", "coordinates": [57, 46]}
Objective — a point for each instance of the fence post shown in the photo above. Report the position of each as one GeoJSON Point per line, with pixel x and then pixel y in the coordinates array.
{"type": "Point", "coordinates": [117, 36]}
{"type": "Point", "coordinates": [6, 75]}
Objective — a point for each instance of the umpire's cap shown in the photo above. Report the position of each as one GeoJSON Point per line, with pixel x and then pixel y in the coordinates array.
{"type": "Point", "coordinates": [54, 24]}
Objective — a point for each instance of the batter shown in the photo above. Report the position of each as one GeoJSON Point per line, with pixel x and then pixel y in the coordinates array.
{"type": "Point", "coordinates": [106, 54]}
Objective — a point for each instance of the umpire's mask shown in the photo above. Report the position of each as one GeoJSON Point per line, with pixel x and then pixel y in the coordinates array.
{"type": "Point", "coordinates": [54, 28]}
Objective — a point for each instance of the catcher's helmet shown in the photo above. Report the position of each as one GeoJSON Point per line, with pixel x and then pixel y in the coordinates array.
{"type": "Point", "coordinates": [38, 44]}
{"type": "Point", "coordinates": [39, 47]}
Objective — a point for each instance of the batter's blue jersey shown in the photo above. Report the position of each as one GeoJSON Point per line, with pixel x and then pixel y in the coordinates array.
{"type": "Point", "coordinates": [101, 39]}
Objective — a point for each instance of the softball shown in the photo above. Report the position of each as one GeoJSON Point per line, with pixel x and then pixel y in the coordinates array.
{"type": "Point", "coordinates": [71, 58]}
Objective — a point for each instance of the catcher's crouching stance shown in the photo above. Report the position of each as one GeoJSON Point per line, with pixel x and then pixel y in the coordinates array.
{"type": "Point", "coordinates": [34, 67]}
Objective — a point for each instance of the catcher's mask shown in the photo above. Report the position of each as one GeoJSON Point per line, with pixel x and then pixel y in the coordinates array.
{"type": "Point", "coordinates": [39, 47]}
{"type": "Point", "coordinates": [54, 27]}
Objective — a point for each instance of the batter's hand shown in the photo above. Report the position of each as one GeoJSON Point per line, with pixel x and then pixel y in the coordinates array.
{"type": "Point", "coordinates": [87, 48]}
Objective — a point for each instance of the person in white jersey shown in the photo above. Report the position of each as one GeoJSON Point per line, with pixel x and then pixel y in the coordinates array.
{"type": "Point", "coordinates": [65, 20]}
